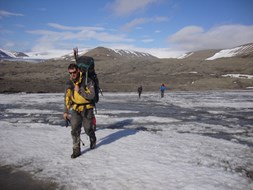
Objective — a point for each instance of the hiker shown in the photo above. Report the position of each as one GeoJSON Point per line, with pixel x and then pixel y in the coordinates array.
{"type": "Point", "coordinates": [162, 89]}
{"type": "Point", "coordinates": [78, 97]}
{"type": "Point", "coordinates": [140, 91]}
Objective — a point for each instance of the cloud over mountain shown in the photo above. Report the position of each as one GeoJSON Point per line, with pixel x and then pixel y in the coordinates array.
{"type": "Point", "coordinates": [192, 38]}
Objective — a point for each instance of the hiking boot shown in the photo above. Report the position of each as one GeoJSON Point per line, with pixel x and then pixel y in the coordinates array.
{"type": "Point", "coordinates": [93, 142]}
{"type": "Point", "coordinates": [76, 153]}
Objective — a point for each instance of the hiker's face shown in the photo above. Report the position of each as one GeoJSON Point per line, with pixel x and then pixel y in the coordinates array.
{"type": "Point", "coordinates": [73, 73]}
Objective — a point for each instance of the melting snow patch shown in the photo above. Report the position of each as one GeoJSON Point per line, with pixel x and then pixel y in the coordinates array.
{"type": "Point", "coordinates": [242, 76]}
{"type": "Point", "coordinates": [185, 55]}
{"type": "Point", "coordinates": [225, 53]}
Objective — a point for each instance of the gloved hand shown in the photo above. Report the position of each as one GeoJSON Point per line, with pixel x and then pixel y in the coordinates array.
{"type": "Point", "coordinates": [66, 118]}
{"type": "Point", "coordinates": [67, 122]}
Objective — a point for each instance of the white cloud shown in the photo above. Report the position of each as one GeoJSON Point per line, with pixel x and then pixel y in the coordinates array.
{"type": "Point", "coordinates": [43, 32]}
{"type": "Point", "coordinates": [192, 38]}
{"type": "Point", "coordinates": [20, 25]}
{"type": "Point", "coordinates": [8, 14]}
{"type": "Point", "coordinates": [124, 8]}
{"type": "Point", "coordinates": [71, 35]}
{"type": "Point", "coordinates": [163, 52]}
{"type": "Point", "coordinates": [139, 21]}
{"type": "Point", "coordinates": [9, 45]}
{"type": "Point", "coordinates": [82, 33]}
{"type": "Point", "coordinates": [189, 38]}
{"type": "Point", "coordinates": [62, 27]}
{"type": "Point", "coordinates": [148, 40]}
{"type": "Point", "coordinates": [67, 37]}
{"type": "Point", "coordinates": [134, 23]}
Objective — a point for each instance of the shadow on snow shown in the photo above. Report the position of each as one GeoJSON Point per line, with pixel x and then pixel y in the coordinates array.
{"type": "Point", "coordinates": [118, 134]}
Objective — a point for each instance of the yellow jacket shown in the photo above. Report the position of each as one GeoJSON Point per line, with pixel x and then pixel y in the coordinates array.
{"type": "Point", "coordinates": [82, 99]}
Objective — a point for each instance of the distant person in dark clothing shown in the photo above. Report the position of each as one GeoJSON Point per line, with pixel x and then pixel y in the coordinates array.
{"type": "Point", "coordinates": [140, 91]}
{"type": "Point", "coordinates": [162, 89]}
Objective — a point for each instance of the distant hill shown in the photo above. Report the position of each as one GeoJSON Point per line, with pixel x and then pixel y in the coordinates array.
{"type": "Point", "coordinates": [239, 51]}
{"type": "Point", "coordinates": [121, 54]}
{"type": "Point", "coordinates": [199, 55]}
{"type": "Point", "coordinates": [20, 54]}
{"type": "Point", "coordinates": [124, 70]}
{"type": "Point", "coordinates": [102, 52]}
{"type": "Point", "coordinates": [7, 55]}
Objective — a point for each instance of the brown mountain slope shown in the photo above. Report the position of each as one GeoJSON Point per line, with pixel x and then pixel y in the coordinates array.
{"type": "Point", "coordinates": [125, 74]}
{"type": "Point", "coordinates": [201, 55]}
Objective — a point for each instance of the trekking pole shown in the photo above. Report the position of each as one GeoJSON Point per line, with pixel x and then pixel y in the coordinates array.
{"type": "Point", "coordinates": [75, 53]}
{"type": "Point", "coordinates": [86, 78]}
{"type": "Point", "coordinates": [82, 141]}
{"type": "Point", "coordinates": [100, 90]}
{"type": "Point", "coordinates": [67, 122]}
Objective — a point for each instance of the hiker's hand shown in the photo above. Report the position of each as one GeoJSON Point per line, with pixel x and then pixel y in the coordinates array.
{"type": "Point", "coordinates": [65, 116]}
{"type": "Point", "coordinates": [77, 88]}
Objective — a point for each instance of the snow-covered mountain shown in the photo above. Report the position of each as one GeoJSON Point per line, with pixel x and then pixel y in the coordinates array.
{"type": "Point", "coordinates": [68, 55]}
{"type": "Point", "coordinates": [48, 54]}
{"type": "Point", "coordinates": [102, 52]}
{"type": "Point", "coordinates": [108, 53]}
{"type": "Point", "coordinates": [245, 50]}
{"type": "Point", "coordinates": [239, 51]}
{"type": "Point", "coordinates": [6, 54]}
{"type": "Point", "coordinates": [20, 54]}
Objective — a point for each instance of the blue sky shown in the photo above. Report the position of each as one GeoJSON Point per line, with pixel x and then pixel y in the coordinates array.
{"type": "Point", "coordinates": [161, 27]}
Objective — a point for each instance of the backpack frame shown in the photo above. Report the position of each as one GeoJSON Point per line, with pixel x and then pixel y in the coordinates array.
{"type": "Point", "coordinates": [86, 65]}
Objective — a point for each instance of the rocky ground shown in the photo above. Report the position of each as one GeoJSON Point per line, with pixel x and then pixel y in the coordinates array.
{"type": "Point", "coordinates": [126, 75]}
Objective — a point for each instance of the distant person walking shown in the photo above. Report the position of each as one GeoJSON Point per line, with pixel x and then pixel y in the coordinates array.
{"type": "Point", "coordinates": [162, 89]}
{"type": "Point", "coordinates": [140, 91]}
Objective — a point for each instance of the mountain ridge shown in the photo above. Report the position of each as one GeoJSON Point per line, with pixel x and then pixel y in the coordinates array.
{"type": "Point", "coordinates": [104, 52]}
{"type": "Point", "coordinates": [119, 73]}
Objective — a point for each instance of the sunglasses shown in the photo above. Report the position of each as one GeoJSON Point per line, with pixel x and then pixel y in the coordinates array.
{"type": "Point", "coordinates": [74, 72]}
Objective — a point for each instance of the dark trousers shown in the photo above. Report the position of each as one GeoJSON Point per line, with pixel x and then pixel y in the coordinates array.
{"type": "Point", "coordinates": [78, 120]}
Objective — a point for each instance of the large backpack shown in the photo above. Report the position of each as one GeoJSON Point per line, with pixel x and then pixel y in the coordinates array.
{"type": "Point", "coordinates": [87, 65]}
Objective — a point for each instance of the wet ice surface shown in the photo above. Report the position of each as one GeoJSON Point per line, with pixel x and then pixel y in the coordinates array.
{"type": "Point", "coordinates": [217, 114]}
{"type": "Point", "coordinates": [186, 140]}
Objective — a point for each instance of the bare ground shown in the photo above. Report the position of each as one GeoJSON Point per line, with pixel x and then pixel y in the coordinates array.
{"type": "Point", "coordinates": [126, 75]}
{"type": "Point", "coordinates": [11, 178]}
